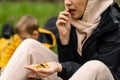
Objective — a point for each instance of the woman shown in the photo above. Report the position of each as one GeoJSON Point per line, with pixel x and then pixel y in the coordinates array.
{"type": "Point", "coordinates": [89, 44]}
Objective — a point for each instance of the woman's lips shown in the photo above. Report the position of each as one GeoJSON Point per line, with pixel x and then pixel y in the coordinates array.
{"type": "Point", "coordinates": [72, 11]}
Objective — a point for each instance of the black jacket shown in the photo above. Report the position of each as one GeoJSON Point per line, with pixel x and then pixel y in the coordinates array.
{"type": "Point", "coordinates": [102, 45]}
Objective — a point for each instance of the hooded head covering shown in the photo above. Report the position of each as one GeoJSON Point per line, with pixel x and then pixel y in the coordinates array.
{"type": "Point", "coordinates": [91, 19]}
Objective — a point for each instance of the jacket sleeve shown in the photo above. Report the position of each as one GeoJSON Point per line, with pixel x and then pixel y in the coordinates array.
{"type": "Point", "coordinates": [68, 69]}
{"type": "Point", "coordinates": [66, 58]}
{"type": "Point", "coordinates": [65, 52]}
{"type": "Point", "coordinates": [9, 50]}
{"type": "Point", "coordinates": [109, 52]}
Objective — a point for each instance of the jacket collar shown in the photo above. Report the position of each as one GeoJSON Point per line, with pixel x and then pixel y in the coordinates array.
{"type": "Point", "coordinates": [106, 25]}
{"type": "Point", "coordinates": [110, 20]}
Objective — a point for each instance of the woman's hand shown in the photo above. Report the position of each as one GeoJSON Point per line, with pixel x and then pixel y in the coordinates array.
{"type": "Point", "coordinates": [63, 25]}
{"type": "Point", "coordinates": [32, 75]}
{"type": "Point", "coordinates": [44, 72]}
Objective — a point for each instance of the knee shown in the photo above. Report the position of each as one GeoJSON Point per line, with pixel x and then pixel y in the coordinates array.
{"type": "Point", "coordinates": [95, 66]}
{"type": "Point", "coordinates": [27, 42]}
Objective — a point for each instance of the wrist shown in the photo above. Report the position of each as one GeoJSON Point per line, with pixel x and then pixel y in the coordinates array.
{"type": "Point", "coordinates": [64, 40]}
{"type": "Point", "coordinates": [59, 67]}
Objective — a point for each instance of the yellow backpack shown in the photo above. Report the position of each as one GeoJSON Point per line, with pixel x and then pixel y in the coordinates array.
{"type": "Point", "coordinates": [50, 37]}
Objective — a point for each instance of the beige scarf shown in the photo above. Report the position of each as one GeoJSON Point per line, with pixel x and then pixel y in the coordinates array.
{"type": "Point", "coordinates": [90, 20]}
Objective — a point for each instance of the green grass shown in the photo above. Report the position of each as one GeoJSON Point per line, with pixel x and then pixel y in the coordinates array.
{"type": "Point", "coordinates": [11, 11]}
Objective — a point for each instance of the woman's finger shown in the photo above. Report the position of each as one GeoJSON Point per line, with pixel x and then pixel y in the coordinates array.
{"type": "Point", "coordinates": [30, 68]}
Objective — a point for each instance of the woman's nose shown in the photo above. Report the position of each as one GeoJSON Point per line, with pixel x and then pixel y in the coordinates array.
{"type": "Point", "coordinates": [67, 2]}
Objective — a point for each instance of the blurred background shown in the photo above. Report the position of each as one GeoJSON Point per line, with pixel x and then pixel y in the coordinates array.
{"type": "Point", "coordinates": [42, 10]}
{"type": "Point", "coordinates": [12, 10]}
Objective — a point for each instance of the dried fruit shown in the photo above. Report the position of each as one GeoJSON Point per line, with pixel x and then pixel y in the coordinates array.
{"type": "Point", "coordinates": [42, 65]}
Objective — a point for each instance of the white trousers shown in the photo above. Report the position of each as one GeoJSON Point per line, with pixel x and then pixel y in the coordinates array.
{"type": "Point", "coordinates": [32, 52]}
{"type": "Point", "coordinates": [29, 52]}
{"type": "Point", "coordinates": [93, 70]}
